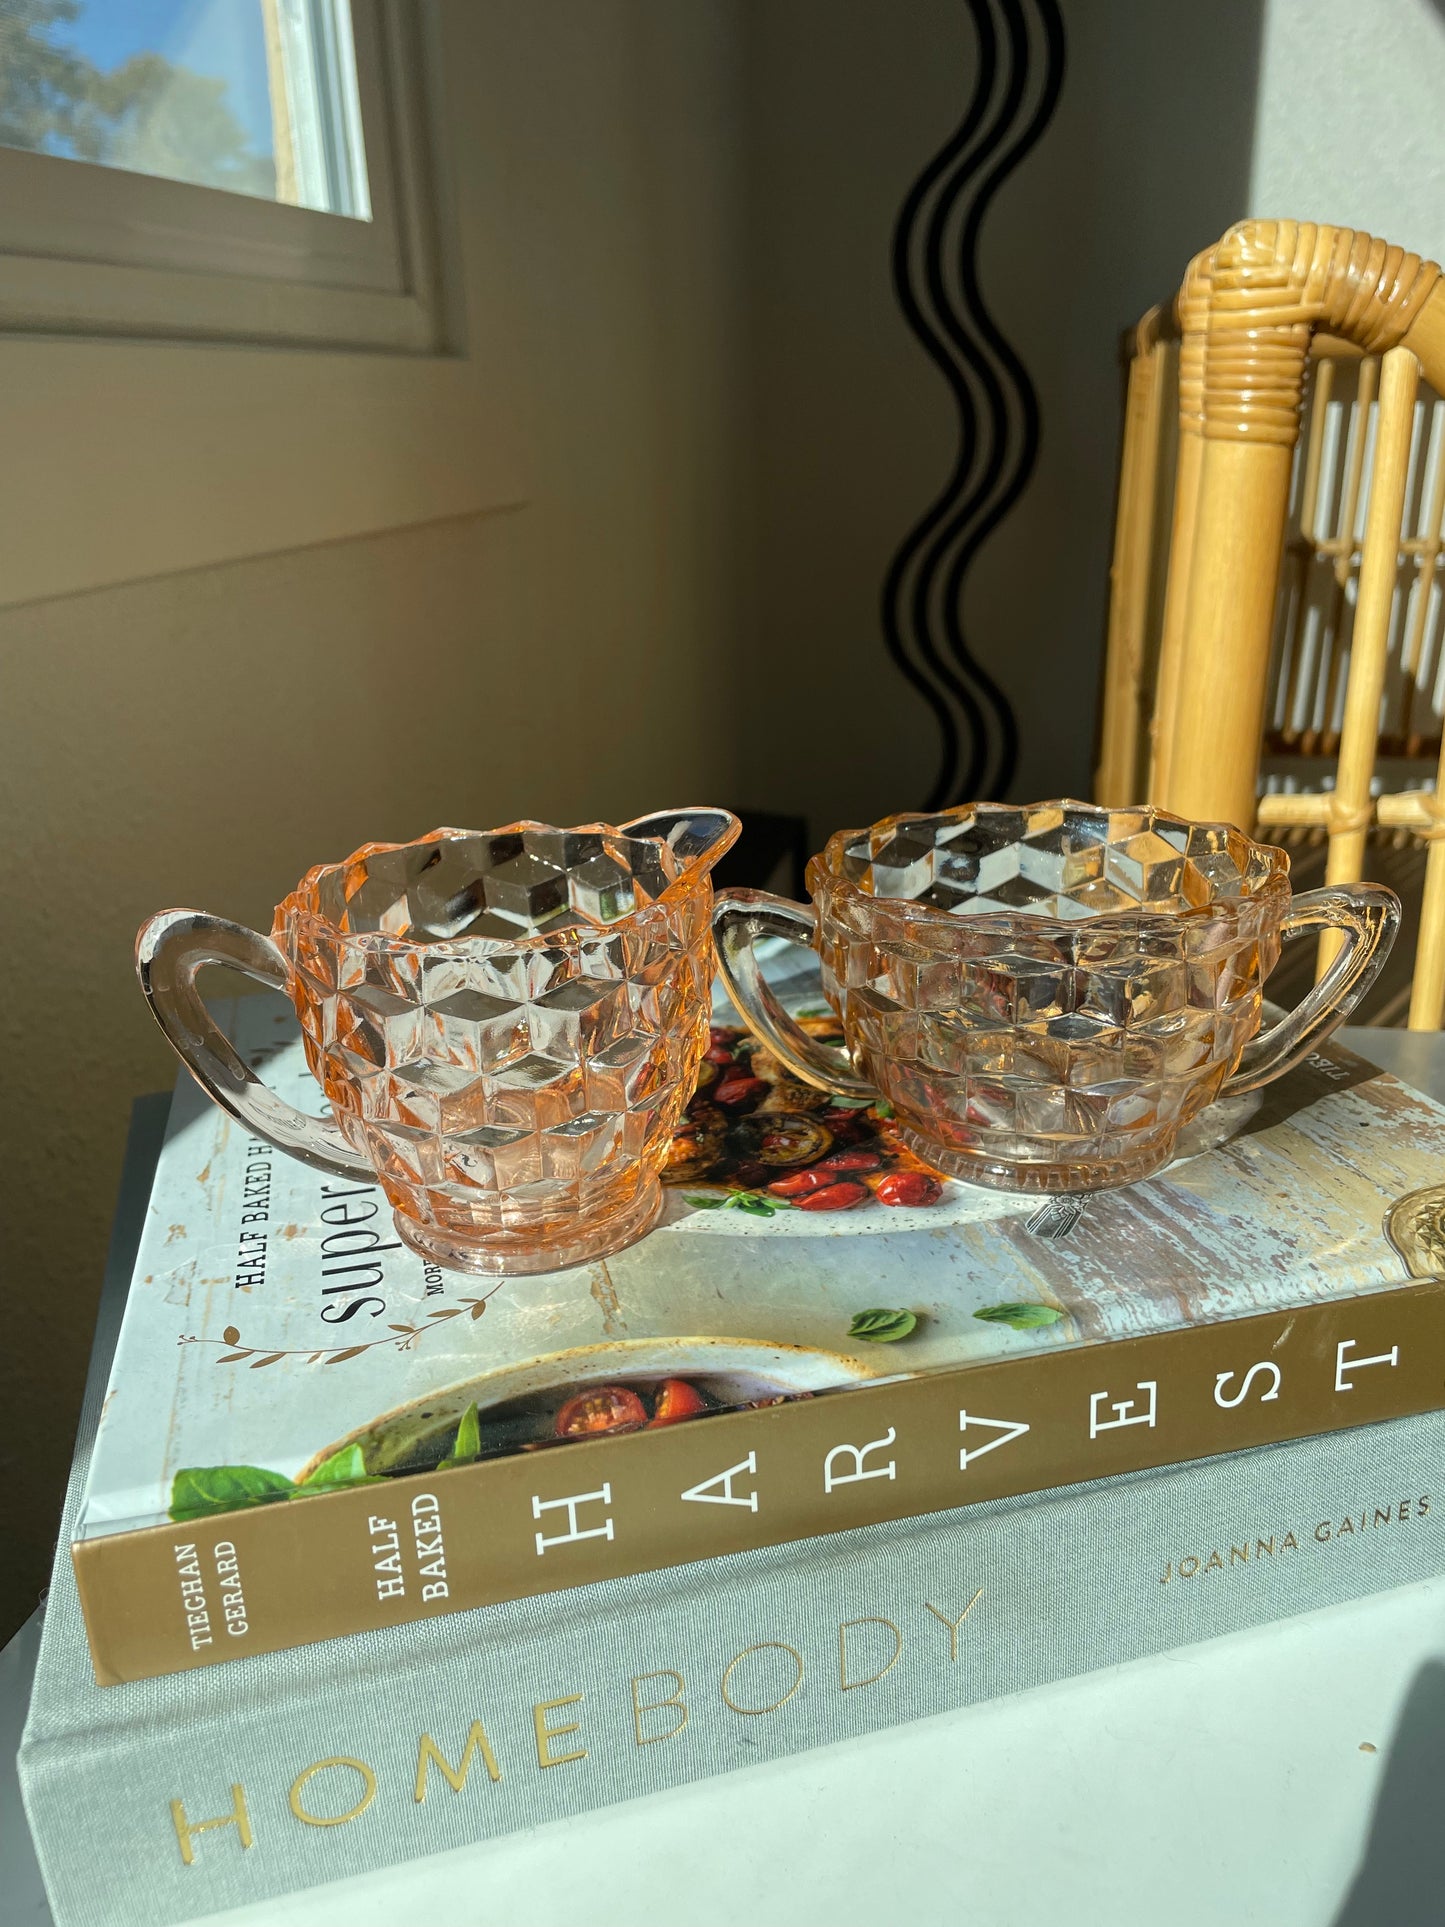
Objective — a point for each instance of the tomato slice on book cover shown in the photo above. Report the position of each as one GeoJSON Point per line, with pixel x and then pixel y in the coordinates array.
{"type": "Point", "coordinates": [605, 1408]}
{"type": "Point", "coordinates": [756, 1142]}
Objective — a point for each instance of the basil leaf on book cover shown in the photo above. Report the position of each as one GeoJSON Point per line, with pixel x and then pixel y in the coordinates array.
{"type": "Point", "coordinates": [346, 1467]}
{"type": "Point", "coordinates": [1022, 1317]}
{"type": "Point", "coordinates": [468, 1446]}
{"type": "Point", "coordinates": [753, 1204]}
{"type": "Point", "coordinates": [199, 1491]}
{"type": "Point", "coordinates": [881, 1327]}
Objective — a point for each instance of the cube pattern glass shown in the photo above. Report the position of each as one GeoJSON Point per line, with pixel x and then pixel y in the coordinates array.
{"type": "Point", "coordinates": [1046, 995]}
{"type": "Point", "coordinates": [507, 1027]}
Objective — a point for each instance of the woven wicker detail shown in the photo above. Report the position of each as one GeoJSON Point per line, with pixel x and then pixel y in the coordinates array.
{"type": "Point", "coordinates": [1342, 820]}
{"type": "Point", "coordinates": [1269, 286]}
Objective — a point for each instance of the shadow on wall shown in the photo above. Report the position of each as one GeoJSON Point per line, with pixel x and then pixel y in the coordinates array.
{"type": "Point", "coordinates": [1398, 1883]}
{"type": "Point", "coordinates": [853, 432]}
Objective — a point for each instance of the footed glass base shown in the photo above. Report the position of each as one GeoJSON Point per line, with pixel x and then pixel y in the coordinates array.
{"type": "Point", "coordinates": [526, 1252]}
{"type": "Point", "coordinates": [1082, 1174]}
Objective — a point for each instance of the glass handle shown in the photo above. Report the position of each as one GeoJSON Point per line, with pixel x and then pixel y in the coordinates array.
{"type": "Point", "coordinates": [739, 919]}
{"type": "Point", "coordinates": [170, 949]}
{"type": "Point", "coordinates": [1369, 916]}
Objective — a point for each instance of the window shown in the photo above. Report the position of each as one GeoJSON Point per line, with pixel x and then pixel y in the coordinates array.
{"type": "Point", "coordinates": [193, 373]}
{"type": "Point", "coordinates": [215, 169]}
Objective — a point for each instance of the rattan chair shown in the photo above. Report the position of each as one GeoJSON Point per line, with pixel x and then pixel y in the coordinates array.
{"type": "Point", "coordinates": [1275, 628]}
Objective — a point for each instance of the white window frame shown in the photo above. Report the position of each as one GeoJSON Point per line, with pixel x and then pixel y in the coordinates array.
{"type": "Point", "coordinates": [97, 250]}
{"type": "Point", "coordinates": [137, 448]}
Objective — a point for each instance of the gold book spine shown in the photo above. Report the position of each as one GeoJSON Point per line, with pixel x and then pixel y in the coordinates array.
{"type": "Point", "coordinates": [166, 1598]}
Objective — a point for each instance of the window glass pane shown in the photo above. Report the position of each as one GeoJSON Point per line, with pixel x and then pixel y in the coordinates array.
{"type": "Point", "coordinates": [254, 96]}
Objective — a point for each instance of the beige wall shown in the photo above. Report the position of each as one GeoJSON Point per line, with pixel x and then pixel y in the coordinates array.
{"type": "Point", "coordinates": [852, 435]}
{"type": "Point", "coordinates": [202, 737]}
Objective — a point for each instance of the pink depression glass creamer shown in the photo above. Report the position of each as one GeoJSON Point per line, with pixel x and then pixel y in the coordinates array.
{"type": "Point", "coordinates": [507, 1026]}
{"type": "Point", "coordinates": [1047, 994]}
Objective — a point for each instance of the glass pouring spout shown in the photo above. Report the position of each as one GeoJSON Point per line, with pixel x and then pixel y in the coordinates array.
{"type": "Point", "coordinates": [697, 835]}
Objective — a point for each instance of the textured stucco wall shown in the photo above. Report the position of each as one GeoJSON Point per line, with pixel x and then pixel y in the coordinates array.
{"type": "Point", "coordinates": [1349, 116]}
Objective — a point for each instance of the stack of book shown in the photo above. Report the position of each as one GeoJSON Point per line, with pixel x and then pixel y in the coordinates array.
{"type": "Point", "coordinates": [363, 1559]}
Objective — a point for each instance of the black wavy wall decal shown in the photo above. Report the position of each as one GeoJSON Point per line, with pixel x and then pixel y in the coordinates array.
{"type": "Point", "coordinates": [1020, 70]}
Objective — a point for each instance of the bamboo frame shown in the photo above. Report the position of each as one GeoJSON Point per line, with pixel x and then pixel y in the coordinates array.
{"type": "Point", "coordinates": [1128, 694]}
{"type": "Point", "coordinates": [1426, 552]}
{"type": "Point", "coordinates": [1191, 312]}
{"type": "Point", "coordinates": [1423, 812]}
{"type": "Point", "coordinates": [1250, 312]}
{"type": "Point", "coordinates": [1351, 812]}
{"type": "Point", "coordinates": [1271, 285]}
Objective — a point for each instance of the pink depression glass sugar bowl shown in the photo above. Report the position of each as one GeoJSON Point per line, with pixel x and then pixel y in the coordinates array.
{"type": "Point", "coordinates": [1046, 995]}
{"type": "Point", "coordinates": [507, 1026]}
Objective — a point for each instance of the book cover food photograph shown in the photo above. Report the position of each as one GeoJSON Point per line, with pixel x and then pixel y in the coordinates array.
{"type": "Point", "coordinates": [610, 1293]}
{"type": "Point", "coordinates": [293, 1373]}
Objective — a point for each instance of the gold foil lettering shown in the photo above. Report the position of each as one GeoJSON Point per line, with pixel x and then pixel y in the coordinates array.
{"type": "Point", "coordinates": [763, 1646]}
{"type": "Point", "coordinates": [186, 1830]}
{"type": "Point", "coordinates": [954, 1624]}
{"type": "Point", "coordinates": [843, 1680]}
{"type": "Point", "coordinates": [545, 1733]}
{"type": "Point", "coordinates": [655, 1706]}
{"type": "Point", "coordinates": [429, 1753]}
{"type": "Point", "coordinates": [368, 1781]}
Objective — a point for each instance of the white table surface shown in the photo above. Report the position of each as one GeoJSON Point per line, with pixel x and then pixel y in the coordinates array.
{"type": "Point", "coordinates": [1293, 1775]}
